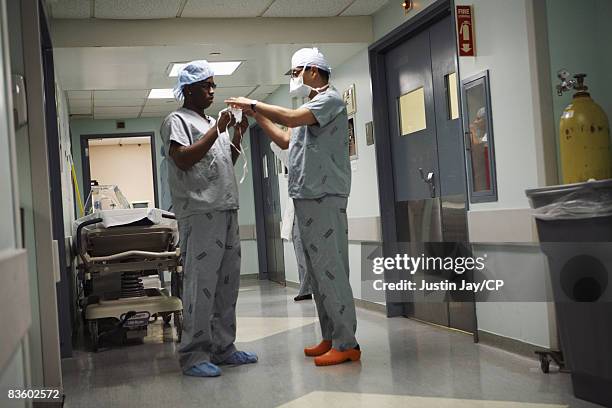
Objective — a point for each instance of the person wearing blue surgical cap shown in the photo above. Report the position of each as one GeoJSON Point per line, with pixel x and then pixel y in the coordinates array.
{"type": "Point", "coordinates": [204, 193]}
{"type": "Point", "coordinates": [319, 184]}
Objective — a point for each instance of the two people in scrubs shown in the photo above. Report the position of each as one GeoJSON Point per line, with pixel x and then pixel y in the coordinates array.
{"type": "Point", "coordinates": [200, 169]}
{"type": "Point", "coordinates": [319, 184]}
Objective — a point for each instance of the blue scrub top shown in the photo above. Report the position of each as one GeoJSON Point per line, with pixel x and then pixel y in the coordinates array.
{"type": "Point", "coordinates": [319, 163]}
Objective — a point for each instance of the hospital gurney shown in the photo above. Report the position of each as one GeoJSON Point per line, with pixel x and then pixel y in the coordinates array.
{"type": "Point", "coordinates": [117, 247]}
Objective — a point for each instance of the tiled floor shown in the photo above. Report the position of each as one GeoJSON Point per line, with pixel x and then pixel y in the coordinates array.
{"type": "Point", "coordinates": [404, 364]}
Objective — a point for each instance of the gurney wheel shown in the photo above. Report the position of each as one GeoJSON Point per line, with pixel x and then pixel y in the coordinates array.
{"type": "Point", "coordinates": [93, 333]}
{"type": "Point", "coordinates": [178, 323]}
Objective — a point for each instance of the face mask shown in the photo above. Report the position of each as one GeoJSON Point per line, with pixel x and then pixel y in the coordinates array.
{"type": "Point", "coordinates": [237, 113]}
{"type": "Point", "coordinates": [297, 88]}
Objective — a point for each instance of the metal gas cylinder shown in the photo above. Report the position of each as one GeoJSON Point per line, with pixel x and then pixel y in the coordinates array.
{"type": "Point", "coordinates": [584, 137]}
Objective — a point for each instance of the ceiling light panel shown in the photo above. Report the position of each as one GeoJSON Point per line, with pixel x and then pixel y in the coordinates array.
{"type": "Point", "coordinates": [161, 93]}
{"type": "Point", "coordinates": [220, 68]}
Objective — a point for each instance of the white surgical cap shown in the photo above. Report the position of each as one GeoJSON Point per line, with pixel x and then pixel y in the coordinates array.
{"type": "Point", "coordinates": [481, 113]}
{"type": "Point", "coordinates": [311, 57]}
{"type": "Point", "coordinates": [193, 72]}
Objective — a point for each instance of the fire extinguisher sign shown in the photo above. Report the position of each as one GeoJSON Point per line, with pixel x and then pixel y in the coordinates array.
{"type": "Point", "coordinates": [465, 31]}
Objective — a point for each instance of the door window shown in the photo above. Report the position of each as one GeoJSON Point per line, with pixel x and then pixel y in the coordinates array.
{"type": "Point", "coordinates": [452, 95]}
{"type": "Point", "coordinates": [412, 112]}
{"type": "Point", "coordinates": [479, 139]}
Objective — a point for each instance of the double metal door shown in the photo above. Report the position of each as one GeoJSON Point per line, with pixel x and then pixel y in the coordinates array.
{"type": "Point", "coordinates": [428, 162]}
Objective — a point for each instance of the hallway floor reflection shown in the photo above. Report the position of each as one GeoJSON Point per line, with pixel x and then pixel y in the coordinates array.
{"type": "Point", "coordinates": [402, 359]}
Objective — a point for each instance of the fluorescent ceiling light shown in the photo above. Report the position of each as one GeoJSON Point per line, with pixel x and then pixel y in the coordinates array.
{"type": "Point", "coordinates": [161, 94]}
{"type": "Point", "coordinates": [219, 68]}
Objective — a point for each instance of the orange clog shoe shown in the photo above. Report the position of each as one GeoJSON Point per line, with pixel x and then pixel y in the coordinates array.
{"type": "Point", "coordinates": [333, 357]}
{"type": "Point", "coordinates": [318, 350]}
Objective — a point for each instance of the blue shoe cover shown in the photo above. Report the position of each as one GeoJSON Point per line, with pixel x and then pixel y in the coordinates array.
{"type": "Point", "coordinates": [204, 369]}
{"type": "Point", "coordinates": [241, 357]}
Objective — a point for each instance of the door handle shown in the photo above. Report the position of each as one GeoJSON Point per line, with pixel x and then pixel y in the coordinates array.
{"type": "Point", "coordinates": [430, 180]}
{"type": "Point", "coordinates": [468, 141]}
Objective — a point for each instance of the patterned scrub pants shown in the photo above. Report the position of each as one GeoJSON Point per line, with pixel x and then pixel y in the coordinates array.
{"type": "Point", "coordinates": [210, 246]}
{"type": "Point", "coordinates": [323, 228]}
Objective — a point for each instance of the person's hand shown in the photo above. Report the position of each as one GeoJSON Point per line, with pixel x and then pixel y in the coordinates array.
{"type": "Point", "coordinates": [240, 102]}
{"type": "Point", "coordinates": [242, 126]}
{"type": "Point", "coordinates": [226, 120]}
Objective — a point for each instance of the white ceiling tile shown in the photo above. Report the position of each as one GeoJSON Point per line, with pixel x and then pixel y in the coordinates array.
{"type": "Point", "coordinates": [152, 115]}
{"type": "Point", "coordinates": [267, 88]}
{"type": "Point", "coordinates": [301, 8]}
{"type": "Point", "coordinates": [157, 109]}
{"type": "Point", "coordinates": [77, 116]}
{"type": "Point", "coordinates": [136, 9]}
{"type": "Point", "coordinates": [79, 94]}
{"type": "Point", "coordinates": [224, 8]}
{"type": "Point", "coordinates": [73, 103]}
{"type": "Point", "coordinates": [104, 110]}
{"type": "Point", "coordinates": [260, 96]}
{"type": "Point", "coordinates": [116, 116]}
{"type": "Point", "coordinates": [226, 92]}
{"type": "Point", "coordinates": [80, 110]}
{"type": "Point", "coordinates": [171, 103]}
{"type": "Point", "coordinates": [365, 7]}
{"type": "Point", "coordinates": [119, 102]}
{"type": "Point", "coordinates": [120, 94]}
{"type": "Point", "coordinates": [71, 9]}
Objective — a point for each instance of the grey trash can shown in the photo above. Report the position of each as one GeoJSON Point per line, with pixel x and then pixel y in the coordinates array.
{"type": "Point", "coordinates": [574, 225]}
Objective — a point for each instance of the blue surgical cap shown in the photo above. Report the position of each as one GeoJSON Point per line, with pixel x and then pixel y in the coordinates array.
{"type": "Point", "coordinates": [193, 72]}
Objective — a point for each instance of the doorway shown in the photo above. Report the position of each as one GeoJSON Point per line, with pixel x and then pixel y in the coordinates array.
{"type": "Point", "coordinates": [270, 246]}
{"type": "Point", "coordinates": [420, 154]}
{"type": "Point", "coordinates": [125, 160]}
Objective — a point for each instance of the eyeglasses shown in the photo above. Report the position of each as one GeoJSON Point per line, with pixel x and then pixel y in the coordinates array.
{"type": "Point", "coordinates": [296, 72]}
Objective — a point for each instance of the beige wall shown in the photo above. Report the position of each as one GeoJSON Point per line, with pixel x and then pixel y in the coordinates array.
{"type": "Point", "coordinates": [128, 166]}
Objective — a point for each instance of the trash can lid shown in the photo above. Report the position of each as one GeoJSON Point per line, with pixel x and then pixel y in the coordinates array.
{"type": "Point", "coordinates": [545, 195]}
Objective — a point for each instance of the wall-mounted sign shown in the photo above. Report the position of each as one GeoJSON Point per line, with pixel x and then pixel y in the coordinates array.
{"type": "Point", "coordinates": [349, 99]}
{"type": "Point", "coordinates": [465, 31]}
{"type": "Point", "coordinates": [369, 133]}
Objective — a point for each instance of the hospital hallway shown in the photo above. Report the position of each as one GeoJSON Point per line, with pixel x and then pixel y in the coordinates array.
{"type": "Point", "coordinates": [405, 364]}
{"type": "Point", "coordinates": [416, 193]}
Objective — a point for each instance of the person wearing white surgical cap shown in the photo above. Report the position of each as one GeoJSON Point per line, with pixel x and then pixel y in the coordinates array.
{"type": "Point", "coordinates": [200, 171]}
{"type": "Point", "coordinates": [319, 184]}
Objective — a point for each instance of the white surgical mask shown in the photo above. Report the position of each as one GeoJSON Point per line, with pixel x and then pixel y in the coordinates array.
{"type": "Point", "coordinates": [237, 113]}
{"type": "Point", "coordinates": [297, 87]}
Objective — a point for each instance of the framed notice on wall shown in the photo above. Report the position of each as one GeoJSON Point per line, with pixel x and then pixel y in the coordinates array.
{"type": "Point", "coordinates": [349, 99]}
